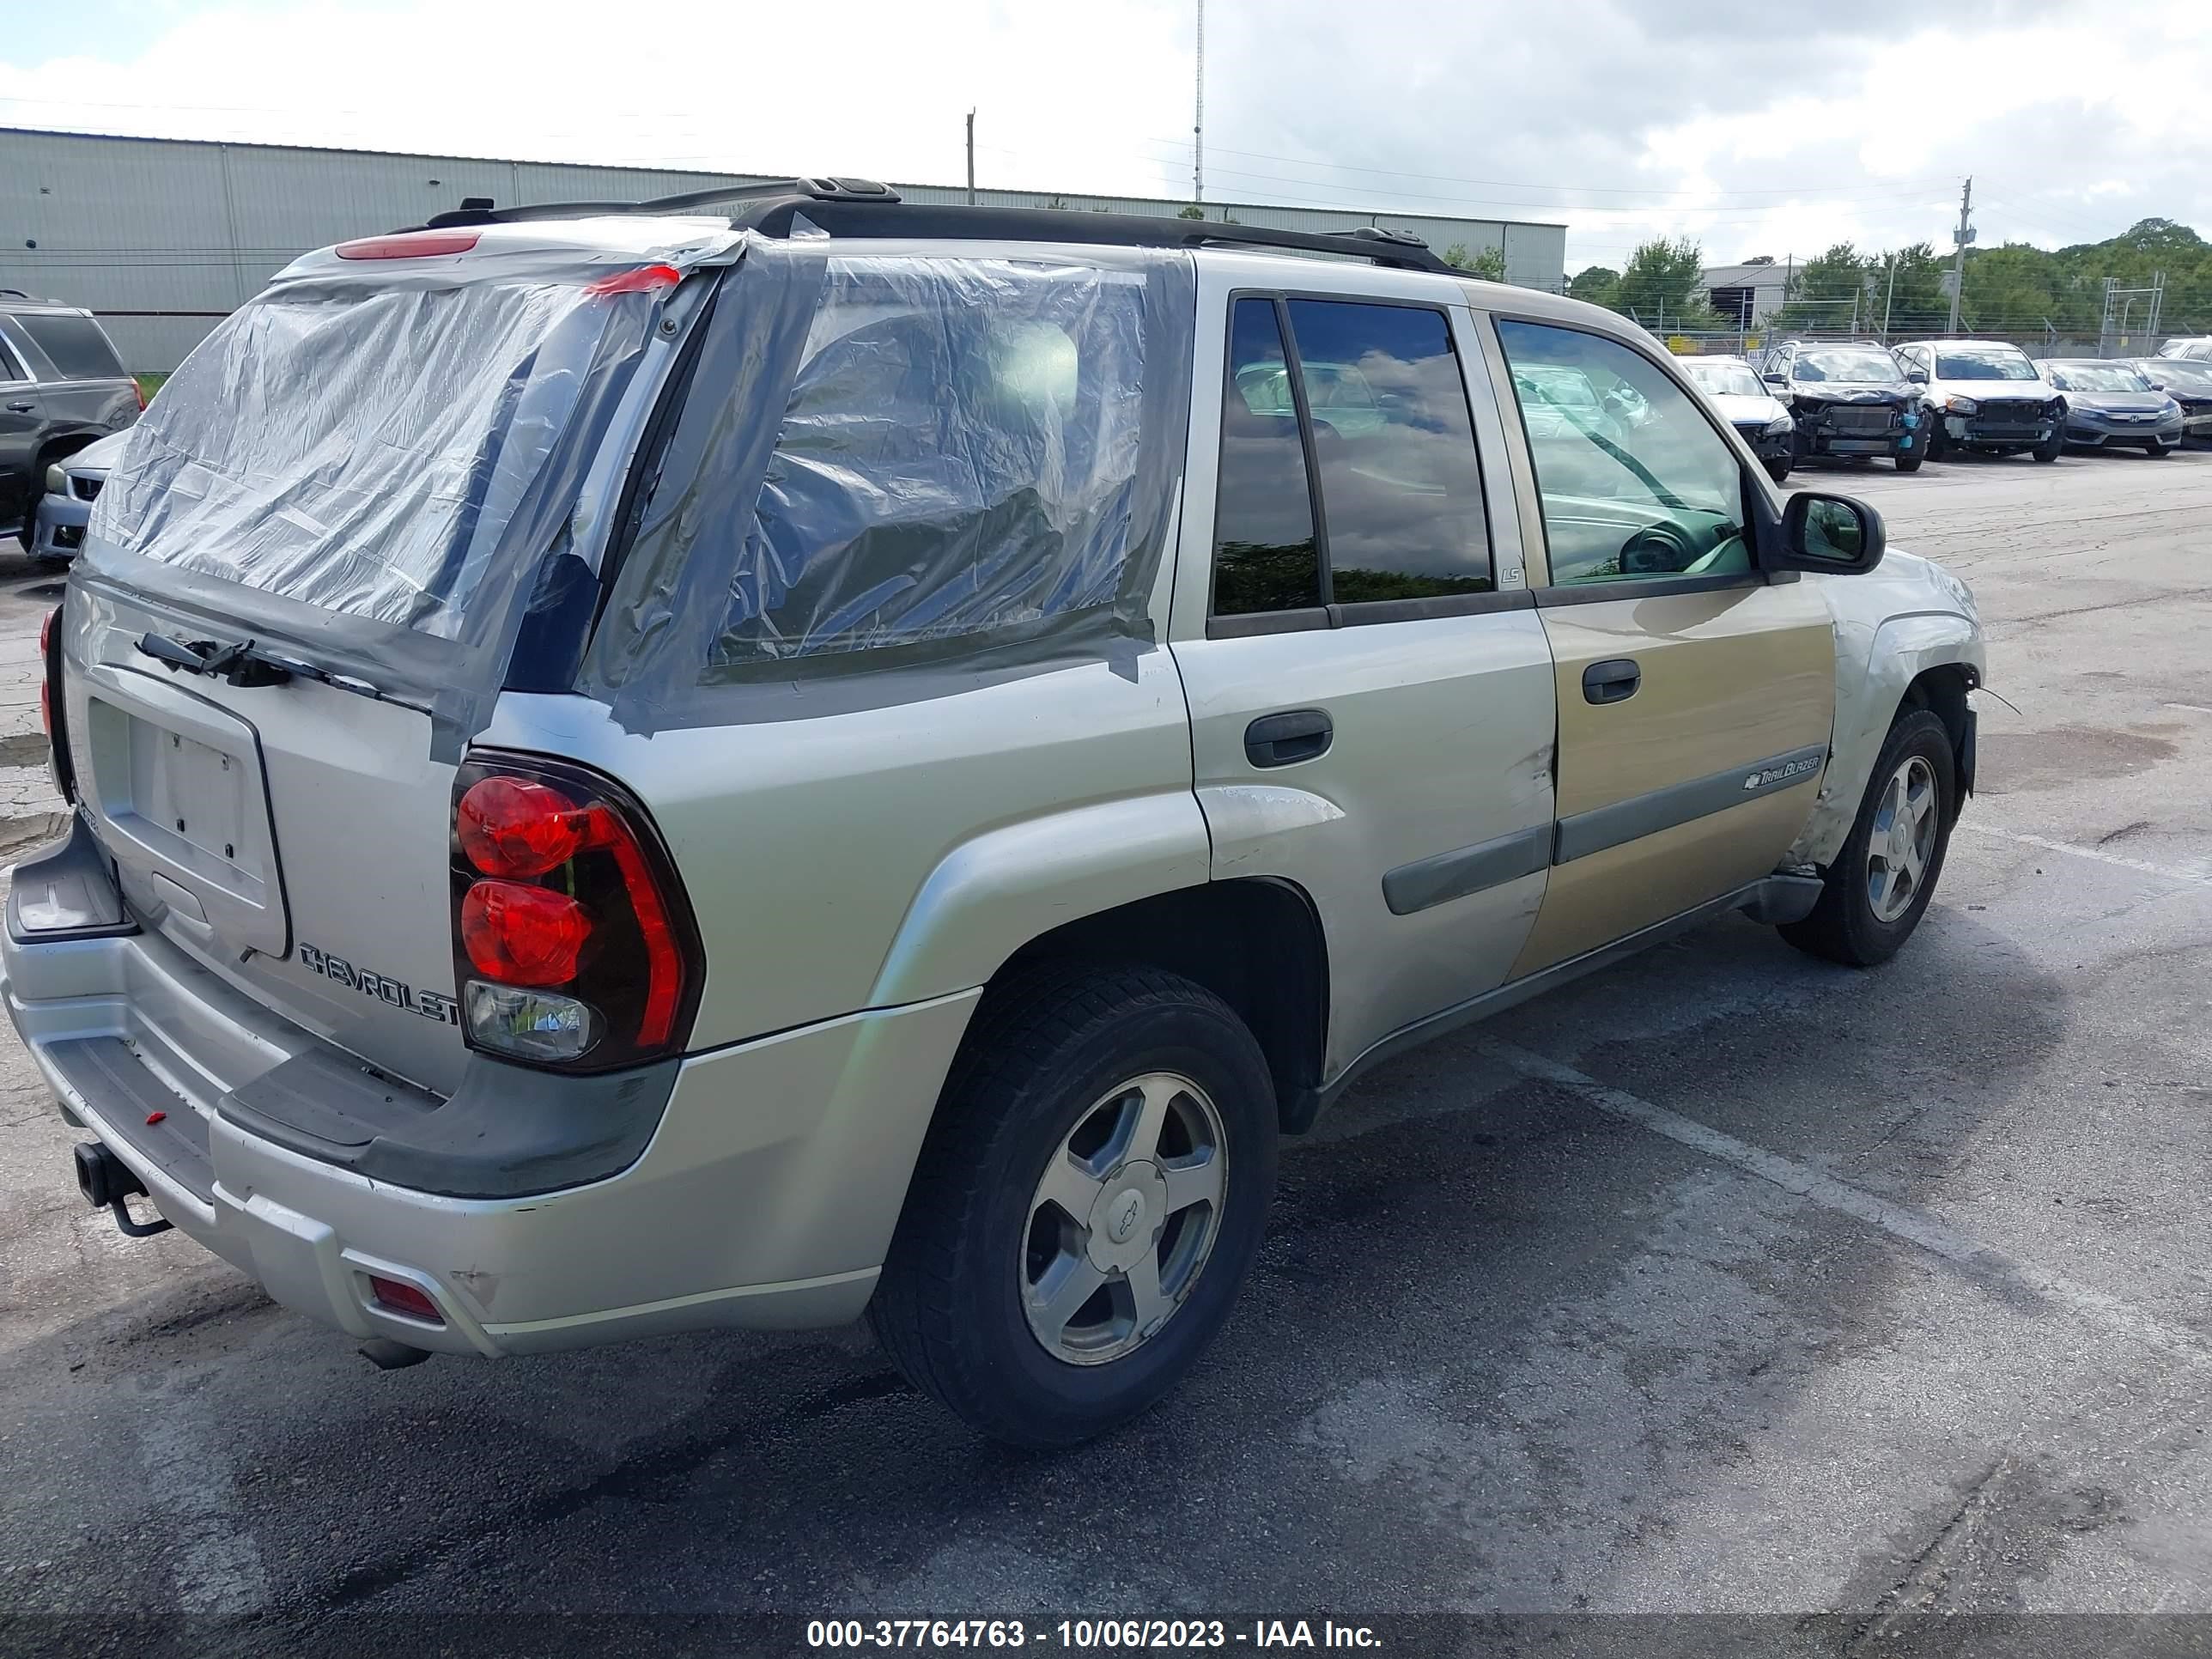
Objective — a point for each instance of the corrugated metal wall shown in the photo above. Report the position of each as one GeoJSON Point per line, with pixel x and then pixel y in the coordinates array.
{"type": "Point", "coordinates": [161, 237]}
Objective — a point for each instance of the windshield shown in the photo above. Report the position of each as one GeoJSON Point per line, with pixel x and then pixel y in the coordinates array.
{"type": "Point", "coordinates": [1858, 363]}
{"type": "Point", "coordinates": [2177, 373]}
{"type": "Point", "coordinates": [2103, 377]}
{"type": "Point", "coordinates": [1723, 380]}
{"type": "Point", "coordinates": [1984, 363]}
{"type": "Point", "coordinates": [364, 450]}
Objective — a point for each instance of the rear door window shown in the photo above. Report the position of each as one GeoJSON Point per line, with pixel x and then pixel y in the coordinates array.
{"type": "Point", "coordinates": [1361, 410]}
{"type": "Point", "coordinates": [75, 344]}
{"type": "Point", "coordinates": [1265, 555]}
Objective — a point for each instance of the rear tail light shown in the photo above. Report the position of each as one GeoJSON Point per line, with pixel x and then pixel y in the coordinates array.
{"type": "Point", "coordinates": [139, 386]}
{"type": "Point", "coordinates": [574, 945]}
{"type": "Point", "coordinates": [646, 279]}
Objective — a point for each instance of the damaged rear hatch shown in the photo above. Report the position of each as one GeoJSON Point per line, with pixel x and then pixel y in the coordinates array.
{"type": "Point", "coordinates": [366, 501]}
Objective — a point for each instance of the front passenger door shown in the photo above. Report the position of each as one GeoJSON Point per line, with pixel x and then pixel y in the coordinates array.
{"type": "Point", "coordinates": [1696, 693]}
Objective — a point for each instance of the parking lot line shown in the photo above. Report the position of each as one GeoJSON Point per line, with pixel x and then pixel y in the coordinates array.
{"type": "Point", "coordinates": [1914, 1227]}
{"type": "Point", "coordinates": [2144, 866]}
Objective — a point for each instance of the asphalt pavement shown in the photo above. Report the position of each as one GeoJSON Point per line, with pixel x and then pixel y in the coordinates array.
{"type": "Point", "coordinates": [1725, 1284]}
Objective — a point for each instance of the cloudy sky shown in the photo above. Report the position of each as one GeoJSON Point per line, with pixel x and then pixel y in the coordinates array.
{"type": "Point", "coordinates": [1741, 123]}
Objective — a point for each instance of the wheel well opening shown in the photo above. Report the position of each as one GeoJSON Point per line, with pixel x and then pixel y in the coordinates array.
{"type": "Point", "coordinates": [1942, 691]}
{"type": "Point", "coordinates": [1257, 944]}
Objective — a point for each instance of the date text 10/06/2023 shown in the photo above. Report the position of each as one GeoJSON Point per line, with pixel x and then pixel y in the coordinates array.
{"type": "Point", "coordinates": [1087, 1634]}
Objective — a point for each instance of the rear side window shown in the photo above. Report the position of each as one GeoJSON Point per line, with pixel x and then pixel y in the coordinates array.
{"type": "Point", "coordinates": [957, 455]}
{"type": "Point", "coordinates": [75, 345]}
{"type": "Point", "coordinates": [9, 368]}
{"type": "Point", "coordinates": [1265, 557]}
{"type": "Point", "coordinates": [1375, 395]}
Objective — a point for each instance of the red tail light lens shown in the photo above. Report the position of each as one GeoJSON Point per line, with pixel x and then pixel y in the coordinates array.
{"type": "Point", "coordinates": [403, 1297]}
{"type": "Point", "coordinates": [139, 386]}
{"type": "Point", "coordinates": [518, 934]}
{"type": "Point", "coordinates": [574, 945]}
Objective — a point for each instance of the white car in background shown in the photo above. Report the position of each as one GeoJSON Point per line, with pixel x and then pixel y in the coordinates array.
{"type": "Point", "coordinates": [1745, 405]}
{"type": "Point", "coordinates": [1988, 396]}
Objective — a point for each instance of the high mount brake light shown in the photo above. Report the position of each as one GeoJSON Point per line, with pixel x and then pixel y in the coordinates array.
{"type": "Point", "coordinates": [574, 945]}
{"type": "Point", "coordinates": [409, 245]}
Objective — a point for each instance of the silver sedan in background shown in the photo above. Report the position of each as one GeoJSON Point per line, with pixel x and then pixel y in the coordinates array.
{"type": "Point", "coordinates": [2110, 404]}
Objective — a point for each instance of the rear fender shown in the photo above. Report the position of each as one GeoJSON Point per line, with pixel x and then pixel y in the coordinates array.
{"type": "Point", "coordinates": [998, 891]}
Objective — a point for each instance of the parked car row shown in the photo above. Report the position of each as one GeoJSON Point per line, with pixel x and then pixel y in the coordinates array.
{"type": "Point", "coordinates": [1928, 399]}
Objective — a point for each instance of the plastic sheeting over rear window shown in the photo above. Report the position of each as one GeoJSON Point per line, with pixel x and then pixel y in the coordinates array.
{"type": "Point", "coordinates": [922, 461]}
{"type": "Point", "coordinates": [959, 453]}
{"type": "Point", "coordinates": [363, 450]}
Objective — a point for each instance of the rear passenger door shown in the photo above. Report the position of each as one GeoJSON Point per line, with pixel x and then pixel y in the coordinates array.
{"type": "Point", "coordinates": [1369, 688]}
{"type": "Point", "coordinates": [1696, 692]}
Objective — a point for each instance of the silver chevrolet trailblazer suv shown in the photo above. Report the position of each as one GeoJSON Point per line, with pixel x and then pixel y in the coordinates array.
{"type": "Point", "coordinates": [744, 760]}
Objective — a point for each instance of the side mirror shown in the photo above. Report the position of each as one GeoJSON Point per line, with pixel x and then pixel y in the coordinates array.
{"type": "Point", "coordinates": [1831, 533]}
{"type": "Point", "coordinates": [1773, 379]}
{"type": "Point", "coordinates": [1917, 376]}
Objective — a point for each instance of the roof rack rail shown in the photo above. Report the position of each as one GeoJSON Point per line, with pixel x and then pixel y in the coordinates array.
{"type": "Point", "coordinates": [861, 207]}
{"type": "Point", "coordinates": [479, 209]}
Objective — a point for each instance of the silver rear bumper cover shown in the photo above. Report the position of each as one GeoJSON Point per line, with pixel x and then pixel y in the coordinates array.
{"type": "Point", "coordinates": [766, 1197]}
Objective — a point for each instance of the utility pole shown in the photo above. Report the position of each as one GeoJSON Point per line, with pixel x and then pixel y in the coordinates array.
{"type": "Point", "coordinates": [1889, 300]}
{"type": "Point", "coordinates": [971, 158]}
{"type": "Point", "coordinates": [1198, 117]}
{"type": "Point", "coordinates": [1958, 259]}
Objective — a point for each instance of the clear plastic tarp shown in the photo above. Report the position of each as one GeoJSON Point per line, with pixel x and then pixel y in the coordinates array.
{"type": "Point", "coordinates": [889, 461]}
{"type": "Point", "coordinates": [363, 452]}
{"type": "Point", "coordinates": [958, 453]}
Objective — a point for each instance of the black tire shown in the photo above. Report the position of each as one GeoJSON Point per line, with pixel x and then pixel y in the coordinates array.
{"type": "Point", "coordinates": [1777, 469]}
{"type": "Point", "coordinates": [2156, 451]}
{"type": "Point", "coordinates": [2049, 449]}
{"type": "Point", "coordinates": [1040, 1056]}
{"type": "Point", "coordinates": [1844, 926]}
{"type": "Point", "coordinates": [1909, 462]}
{"type": "Point", "coordinates": [1936, 448]}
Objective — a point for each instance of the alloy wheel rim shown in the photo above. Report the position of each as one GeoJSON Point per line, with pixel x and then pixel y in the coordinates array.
{"type": "Point", "coordinates": [1902, 844]}
{"type": "Point", "coordinates": [1123, 1219]}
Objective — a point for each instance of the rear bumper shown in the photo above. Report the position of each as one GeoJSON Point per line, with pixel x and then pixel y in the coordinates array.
{"type": "Point", "coordinates": [765, 1196]}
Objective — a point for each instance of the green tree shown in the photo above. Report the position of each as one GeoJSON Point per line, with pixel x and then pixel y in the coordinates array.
{"type": "Point", "coordinates": [1661, 287]}
{"type": "Point", "coordinates": [1489, 265]}
{"type": "Point", "coordinates": [1599, 284]}
{"type": "Point", "coordinates": [1193, 211]}
{"type": "Point", "coordinates": [1830, 291]}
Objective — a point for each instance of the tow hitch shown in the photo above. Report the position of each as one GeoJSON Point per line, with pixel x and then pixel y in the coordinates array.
{"type": "Point", "coordinates": [106, 1181]}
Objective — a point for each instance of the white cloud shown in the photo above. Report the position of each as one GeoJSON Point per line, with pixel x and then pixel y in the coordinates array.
{"type": "Point", "coordinates": [1623, 118]}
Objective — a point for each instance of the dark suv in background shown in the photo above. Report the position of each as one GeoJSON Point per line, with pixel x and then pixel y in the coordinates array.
{"type": "Point", "coordinates": [1847, 401]}
{"type": "Point", "coordinates": [61, 386]}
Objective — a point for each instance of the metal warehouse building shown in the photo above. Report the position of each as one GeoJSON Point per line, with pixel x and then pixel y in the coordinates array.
{"type": "Point", "coordinates": [162, 237]}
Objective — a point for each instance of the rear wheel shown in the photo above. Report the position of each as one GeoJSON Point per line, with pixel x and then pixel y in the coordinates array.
{"type": "Point", "coordinates": [1085, 1207]}
{"type": "Point", "coordinates": [1878, 886]}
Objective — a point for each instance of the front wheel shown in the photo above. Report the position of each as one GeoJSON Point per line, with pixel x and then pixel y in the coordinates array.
{"type": "Point", "coordinates": [1778, 468]}
{"type": "Point", "coordinates": [1936, 443]}
{"type": "Point", "coordinates": [1909, 462]}
{"type": "Point", "coordinates": [2048, 448]}
{"type": "Point", "coordinates": [2156, 451]}
{"type": "Point", "coordinates": [1878, 886]}
{"type": "Point", "coordinates": [1085, 1207]}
